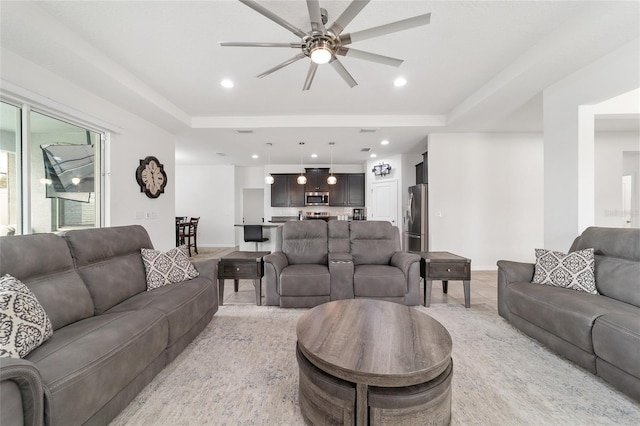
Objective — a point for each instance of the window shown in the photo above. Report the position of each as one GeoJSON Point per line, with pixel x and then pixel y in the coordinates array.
{"type": "Point", "coordinates": [10, 197]}
{"type": "Point", "coordinates": [60, 178]}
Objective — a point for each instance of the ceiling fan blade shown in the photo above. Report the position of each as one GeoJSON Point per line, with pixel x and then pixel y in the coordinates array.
{"type": "Point", "coordinates": [282, 65]}
{"type": "Point", "coordinates": [392, 27]}
{"type": "Point", "coordinates": [275, 18]}
{"type": "Point", "coordinates": [312, 73]}
{"type": "Point", "coordinates": [347, 16]}
{"type": "Point", "coordinates": [368, 56]}
{"type": "Point", "coordinates": [340, 69]}
{"type": "Point", "coordinates": [314, 15]}
{"type": "Point", "coordinates": [258, 44]}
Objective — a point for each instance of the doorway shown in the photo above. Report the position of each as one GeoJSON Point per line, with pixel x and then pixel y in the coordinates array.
{"type": "Point", "coordinates": [252, 205]}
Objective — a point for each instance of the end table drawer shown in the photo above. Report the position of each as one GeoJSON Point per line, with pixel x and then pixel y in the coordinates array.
{"type": "Point", "coordinates": [240, 269]}
{"type": "Point", "coordinates": [448, 270]}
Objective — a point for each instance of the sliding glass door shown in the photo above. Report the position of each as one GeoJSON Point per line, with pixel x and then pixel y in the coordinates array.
{"type": "Point", "coordinates": [51, 169]}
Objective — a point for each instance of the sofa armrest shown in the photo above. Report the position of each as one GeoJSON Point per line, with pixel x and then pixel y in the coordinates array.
{"type": "Point", "coordinates": [404, 260]}
{"type": "Point", "coordinates": [26, 406]}
{"type": "Point", "coordinates": [207, 267]}
{"type": "Point", "coordinates": [511, 272]}
{"type": "Point", "coordinates": [274, 263]}
{"type": "Point", "coordinates": [341, 276]}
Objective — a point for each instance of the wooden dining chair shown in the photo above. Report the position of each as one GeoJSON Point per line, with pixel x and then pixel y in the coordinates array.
{"type": "Point", "coordinates": [189, 235]}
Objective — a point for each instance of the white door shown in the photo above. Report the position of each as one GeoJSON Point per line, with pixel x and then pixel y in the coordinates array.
{"type": "Point", "coordinates": [384, 201]}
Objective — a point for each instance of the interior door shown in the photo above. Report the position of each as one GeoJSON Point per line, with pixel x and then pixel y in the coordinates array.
{"type": "Point", "coordinates": [384, 201]}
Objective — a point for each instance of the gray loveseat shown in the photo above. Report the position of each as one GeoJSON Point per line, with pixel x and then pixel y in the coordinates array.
{"type": "Point", "coordinates": [601, 333]}
{"type": "Point", "coordinates": [111, 336]}
{"type": "Point", "coordinates": [320, 261]}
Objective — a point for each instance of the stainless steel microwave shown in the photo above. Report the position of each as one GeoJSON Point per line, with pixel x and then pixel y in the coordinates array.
{"type": "Point", "coordinates": [316, 198]}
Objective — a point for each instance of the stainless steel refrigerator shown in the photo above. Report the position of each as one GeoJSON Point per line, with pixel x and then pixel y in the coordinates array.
{"type": "Point", "coordinates": [417, 233]}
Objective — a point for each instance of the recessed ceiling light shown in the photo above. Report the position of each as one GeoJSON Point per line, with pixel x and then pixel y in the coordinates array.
{"type": "Point", "coordinates": [254, 156]}
{"type": "Point", "coordinates": [226, 83]}
{"type": "Point", "coordinates": [373, 155]}
{"type": "Point", "coordinates": [384, 142]}
{"type": "Point", "coordinates": [399, 82]}
{"type": "Point", "coordinates": [314, 155]}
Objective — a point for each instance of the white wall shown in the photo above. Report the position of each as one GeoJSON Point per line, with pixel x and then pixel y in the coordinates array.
{"type": "Point", "coordinates": [133, 140]}
{"type": "Point", "coordinates": [568, 115]}
{"type": "Point", "coordinates": [485, 196]}
{"type": "Point", "coordinates": [208, 192]}
{"type": "Point", "coordinates": [609, 148]}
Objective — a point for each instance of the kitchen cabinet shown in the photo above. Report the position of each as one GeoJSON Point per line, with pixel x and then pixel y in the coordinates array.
{"type": "Point", "coordinates": [285, 191]}
{"type": "Point", "coordinates": [317, 180]}
{"type": "Point", "coordinates": [348, 191]}
{"type": "Point", "coordinates": [422, 170]}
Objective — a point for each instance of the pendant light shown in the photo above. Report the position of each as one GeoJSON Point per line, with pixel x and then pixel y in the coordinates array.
{"type": "Point", "coordinates": [331, 180]}
{"type": "Point", "coordinates": [302, 179]}
{"type": "Point", "coordinates": [268, 179]}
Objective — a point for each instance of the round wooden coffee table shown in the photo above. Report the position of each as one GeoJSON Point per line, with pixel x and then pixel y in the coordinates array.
{"type": "Point", "coordinates": [367, 361]}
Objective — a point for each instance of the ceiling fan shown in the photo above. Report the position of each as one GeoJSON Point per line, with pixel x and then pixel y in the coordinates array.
{"type": "Point", "coordinates": [322, 45]}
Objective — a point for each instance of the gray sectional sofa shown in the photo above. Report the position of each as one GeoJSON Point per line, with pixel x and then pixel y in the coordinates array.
{"type": "Point", "coordinates": [601, 333]}
{"type": "Point", "coordinates": [317, 261]}
{"type": "Point", "coordinates": [111, 336]}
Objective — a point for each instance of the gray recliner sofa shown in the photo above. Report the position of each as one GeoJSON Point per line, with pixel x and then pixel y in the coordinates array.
{"type": "Point", "coordinates": [321, 261]}
{"type": "Point", "coordinates": [601, 333]}
{"type": "Point", "coordinates": [111, 336]}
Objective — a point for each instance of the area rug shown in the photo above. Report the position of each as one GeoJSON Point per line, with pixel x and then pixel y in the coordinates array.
{"type": "Point", "coordinates": [241, 370]}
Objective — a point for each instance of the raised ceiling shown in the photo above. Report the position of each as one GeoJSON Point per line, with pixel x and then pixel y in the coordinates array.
{"type": "Point", "coordinates": [478, 66]}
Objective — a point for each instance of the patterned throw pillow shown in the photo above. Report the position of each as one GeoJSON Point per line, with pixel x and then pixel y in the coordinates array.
{"type": "Point", "coordinates": [24, 325]}
{"type": "Point", "coordinates": [167, 268]}
{"type": "Point", "coordinates": [574, 270]}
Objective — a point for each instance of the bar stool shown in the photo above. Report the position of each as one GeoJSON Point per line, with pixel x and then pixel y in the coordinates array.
{"type": "Point", "coordinates": [253, 234]}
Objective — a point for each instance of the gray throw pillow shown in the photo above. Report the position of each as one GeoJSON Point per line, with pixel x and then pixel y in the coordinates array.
{"type": "Point", "coordinates": [575, 270]}
{"type": "Point", "coordinates": [24, 325]}
{"type": "Point", "coordinates": [169, 267]}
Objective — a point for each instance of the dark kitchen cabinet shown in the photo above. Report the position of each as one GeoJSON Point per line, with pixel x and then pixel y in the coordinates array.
{"type": "Point", "coordinates": [285, 191]}
{"type": "Point", "coordinates": [422, 170]}
{"type": "Point", "coordinates": [355, 188]}
{"type": "Point", "coordinates": [348, 191]}
{"type": "Point", "coordinates": [317, 180]}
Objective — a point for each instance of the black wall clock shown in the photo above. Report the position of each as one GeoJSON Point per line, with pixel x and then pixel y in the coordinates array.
{"type": "Point", "coordinates": [151, 177]}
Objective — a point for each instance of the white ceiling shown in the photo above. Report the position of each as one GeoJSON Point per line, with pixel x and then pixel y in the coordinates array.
{"type": "Point", "coordinates": [478, 66]}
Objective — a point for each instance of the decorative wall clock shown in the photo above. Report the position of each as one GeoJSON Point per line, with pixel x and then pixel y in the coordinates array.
{"type": "Point", "coordinates": [151, 177]}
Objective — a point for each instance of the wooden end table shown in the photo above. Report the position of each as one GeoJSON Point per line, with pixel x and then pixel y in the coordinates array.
{"type": "Point", "coordinates": [445, 266]}
{"type": "Point", "coordinates": [241, 265]}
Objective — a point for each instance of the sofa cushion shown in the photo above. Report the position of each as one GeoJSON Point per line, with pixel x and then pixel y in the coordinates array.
{"type": "Point", "coordinates": [43, 262]}
{"type": "Point", "coordinates": [616, 339]}
{"type": "Point", "coordinates": [169, 267]}
{"type": "Point", "coordinates": [24, 325]}
{"type": "Point", "coordinates": [617, 253]}
{"type": "Point", "coordinates": [565, 313]}
{"type": "Point", "coordinates": [574, 270]}
{"type": "Point", "coordinates": [305, 241]}
{"type": "Point", "coordinates": [184, 304]}
{"type": "Point", "coordinates": [372, 242]}
{"type": "Point", "coordinates": [85, 364]}
{"type": "Point", "coordinates": [305, 280]}
{"type": "Point", "coordinates": [110, 263]}
{"type": "Point", "coordinates": [379, 281]}
{"type": "Point", "coordinates": [339, 236]}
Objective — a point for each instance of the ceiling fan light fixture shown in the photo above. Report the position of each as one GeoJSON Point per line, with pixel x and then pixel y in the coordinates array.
{"type": "Point", "coordinates": [320, 52]}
